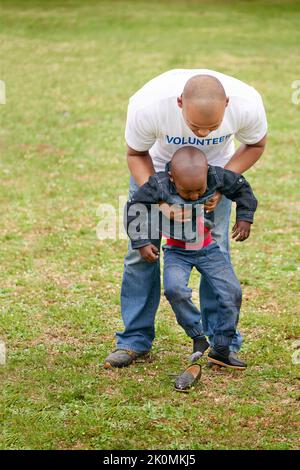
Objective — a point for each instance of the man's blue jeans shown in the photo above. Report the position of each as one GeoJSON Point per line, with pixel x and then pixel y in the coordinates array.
{"type": "Point", "coordinates": [140, 292]}
{"type": "Point", "coordinates": [218, 272]}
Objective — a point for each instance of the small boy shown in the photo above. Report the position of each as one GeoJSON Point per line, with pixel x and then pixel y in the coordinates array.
{"type": "Point", "coordinates": [189, 182]}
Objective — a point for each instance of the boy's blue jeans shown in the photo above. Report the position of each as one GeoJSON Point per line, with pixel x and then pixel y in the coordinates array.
{"type": "Point", "coordinates": [140, 292]}
{"type": "Point", "coordinates": [215, 267]}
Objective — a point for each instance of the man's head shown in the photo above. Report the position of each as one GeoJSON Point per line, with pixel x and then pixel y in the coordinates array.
{"type": "Point", "coordinates": [189, 172]}
{"type": "Point", "coordinates": [203, 102]}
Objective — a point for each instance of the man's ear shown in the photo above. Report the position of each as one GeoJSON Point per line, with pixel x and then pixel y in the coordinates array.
{"type": "Point", "coordinates": [227, 101]}
{"type": "Point", "coordinates": [179, 101]}
{"type": "Point", "coordinates": [171, 177]}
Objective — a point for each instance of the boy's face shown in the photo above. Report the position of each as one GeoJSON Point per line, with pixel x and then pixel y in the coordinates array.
{"type": "Point", "coordinates": [190, 187]}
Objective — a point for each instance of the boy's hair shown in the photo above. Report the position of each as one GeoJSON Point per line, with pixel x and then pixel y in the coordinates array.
{"type": "Point", "coordinates": [188, 158]}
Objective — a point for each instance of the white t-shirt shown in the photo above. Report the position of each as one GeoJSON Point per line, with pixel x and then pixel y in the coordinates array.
{"type": "Point", "coordinates": [155, 121]}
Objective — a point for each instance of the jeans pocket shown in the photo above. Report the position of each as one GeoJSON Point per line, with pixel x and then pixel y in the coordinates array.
{"type": "Point", "coordinates": [214, 254]}
{"type": "Point", "coordinates": [209, 249]}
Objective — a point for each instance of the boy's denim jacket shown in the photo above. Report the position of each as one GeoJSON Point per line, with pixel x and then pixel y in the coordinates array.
{"type": "Point", "coordinates": [159, 187]}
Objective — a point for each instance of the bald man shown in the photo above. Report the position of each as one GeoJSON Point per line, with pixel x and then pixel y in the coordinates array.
{"type": "Point", "coordinates": [197, 107]}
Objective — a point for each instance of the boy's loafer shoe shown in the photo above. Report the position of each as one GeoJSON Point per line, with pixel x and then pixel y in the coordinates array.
{"type": "Point", "coordinates": [231, 361]}
{"type": "Point", "coordinates": [122, 358]}
{"type": "Point", "coordinates": [188, 378]}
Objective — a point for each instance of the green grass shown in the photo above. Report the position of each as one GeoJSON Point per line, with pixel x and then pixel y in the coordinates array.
{"type": "Point", "coordinates": [69, 68]}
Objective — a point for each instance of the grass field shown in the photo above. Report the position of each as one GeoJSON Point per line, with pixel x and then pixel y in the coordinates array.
{"type": "Point", "coordinates": [69, 68]}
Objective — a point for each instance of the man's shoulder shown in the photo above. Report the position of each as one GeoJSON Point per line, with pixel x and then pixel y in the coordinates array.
{"type": "Point", "coordinates": [151, 106]}
{"type": "Point", "coordinates": [161, 89]}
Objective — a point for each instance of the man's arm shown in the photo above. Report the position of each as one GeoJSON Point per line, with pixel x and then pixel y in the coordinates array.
{"type": "Point", "coordinates": [243, 159]}
{"type": "Point", "coordinates": [140, 165]}
{"type": "Point", "coordinates": [246, 155]}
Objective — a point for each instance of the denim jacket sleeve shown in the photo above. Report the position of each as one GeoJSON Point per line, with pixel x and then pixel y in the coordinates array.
{"type": "Point", "coordinates": [137, 217]}
{"type": "Point", "coordinates": [150, 192]}
{"type": "Point", "coordinates": [235, 187]}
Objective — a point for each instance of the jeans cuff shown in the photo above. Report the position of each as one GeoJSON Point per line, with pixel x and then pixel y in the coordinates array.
{"type": "Point", "coordinates": [221, 340]}
{"type": "Point", "coordinates": [131, 347]}
{"type": "Point", "coordinates": [192, 332]}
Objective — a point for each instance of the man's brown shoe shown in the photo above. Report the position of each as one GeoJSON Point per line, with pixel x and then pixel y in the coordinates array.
{"type": "Point", "coordinates": [122, 358]}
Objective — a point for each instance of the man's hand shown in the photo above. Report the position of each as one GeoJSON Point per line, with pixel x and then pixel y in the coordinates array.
{"type": "Point", "coordinates": [150, 253]}
{"type": "Point", "coordinates": [241, 230]}
{"type": "Point", "coordinates": [211, 204]}
{"type": "Point", "coordinates": [175, 212]}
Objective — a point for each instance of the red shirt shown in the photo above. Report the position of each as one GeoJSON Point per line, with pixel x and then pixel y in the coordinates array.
{"type": "Point", "coordinates": [204, 241]}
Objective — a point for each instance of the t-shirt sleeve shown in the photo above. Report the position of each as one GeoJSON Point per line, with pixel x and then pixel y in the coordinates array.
{"type": "Point", "coordinates": [253, 123]}
{"type": "Point", "coordinates": [140, 131]}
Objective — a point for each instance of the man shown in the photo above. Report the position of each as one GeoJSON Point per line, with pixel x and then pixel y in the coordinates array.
{"type": "Point", "coordinates": [196, 107]}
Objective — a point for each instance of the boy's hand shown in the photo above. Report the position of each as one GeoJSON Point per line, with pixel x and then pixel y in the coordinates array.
{"type": "Point", "coordinates": [211, 204]}
{"type": "Point", "coordinates": [150, 253]}
{"type": "Point", "coordinates": [241, 230]}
